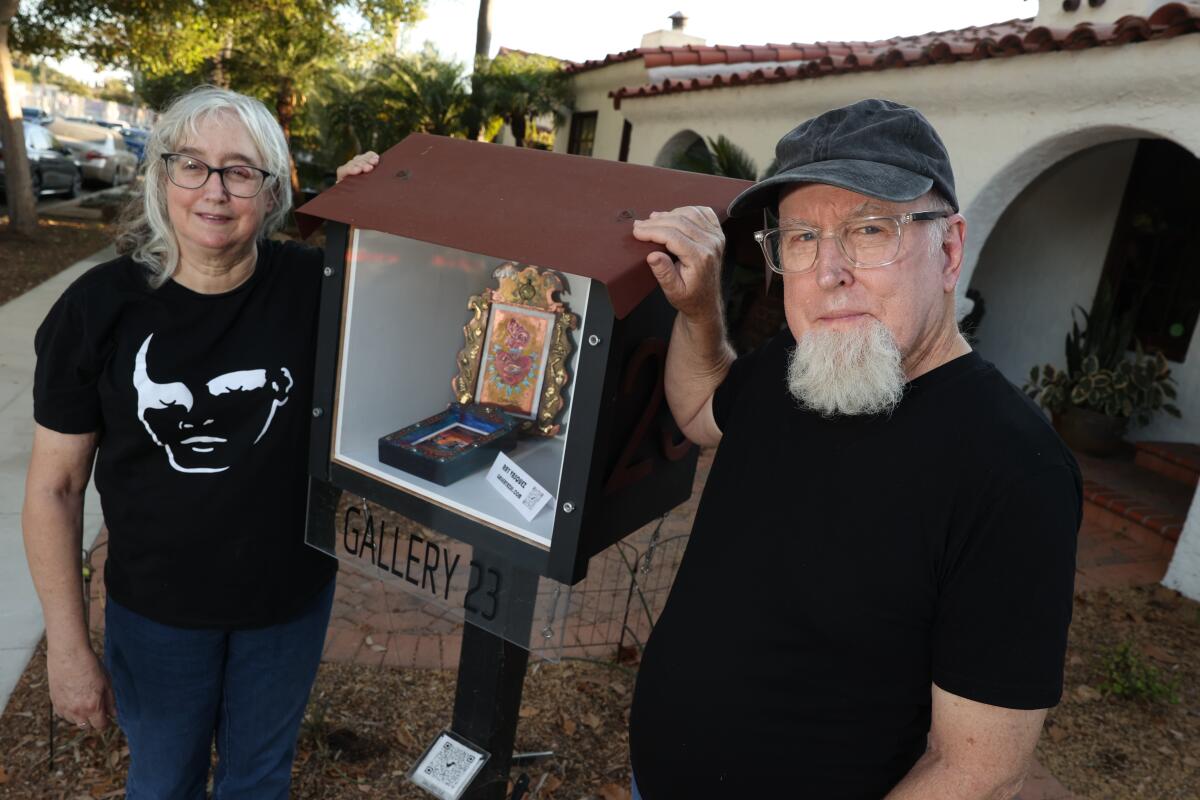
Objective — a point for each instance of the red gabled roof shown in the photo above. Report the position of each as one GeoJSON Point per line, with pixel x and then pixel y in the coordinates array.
{"type": "Point", "coordinates": [816, 60]}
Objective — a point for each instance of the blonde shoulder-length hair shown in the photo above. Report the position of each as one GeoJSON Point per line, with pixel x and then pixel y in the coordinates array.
{"type": "Point", "coordinates": [145, 232]}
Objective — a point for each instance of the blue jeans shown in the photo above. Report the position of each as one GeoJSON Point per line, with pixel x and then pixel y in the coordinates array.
{"type": "Point", "coordinates": [178, 687]}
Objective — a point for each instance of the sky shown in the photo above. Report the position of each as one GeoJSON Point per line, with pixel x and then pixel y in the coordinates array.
{"type": "Point", "coordinates": [580, 31]}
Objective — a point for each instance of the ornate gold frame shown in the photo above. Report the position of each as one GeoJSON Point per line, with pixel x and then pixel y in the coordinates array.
{"type": "Point", "coordinates": [532, 288]}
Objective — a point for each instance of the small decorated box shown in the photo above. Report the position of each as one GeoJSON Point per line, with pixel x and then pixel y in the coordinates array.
{"type": "Point", "coordinates": [449, 445]}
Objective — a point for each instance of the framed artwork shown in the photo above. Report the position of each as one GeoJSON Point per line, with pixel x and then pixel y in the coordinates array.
{"type": "Point", "coordinates": [517, 344]}
{"type": "Point", "coordinates": [515, 354]}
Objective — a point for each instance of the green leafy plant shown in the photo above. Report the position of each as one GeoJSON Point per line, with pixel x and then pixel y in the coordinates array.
{"type": "Point", "coordinates": [1135, 389]}
{"type": "Point", "coordinates": [1128, 675]}
{"type": "Point", "coordinates": [1101, 374]}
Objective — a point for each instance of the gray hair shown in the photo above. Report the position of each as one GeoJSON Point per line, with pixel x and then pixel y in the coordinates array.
{"type": "Point", "coordinates": [938, 228]}
{"type": "Point", "coordinates": [145, 230]}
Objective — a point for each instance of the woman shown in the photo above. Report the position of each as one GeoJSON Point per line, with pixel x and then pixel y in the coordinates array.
{"type": "Point", "coordinates": [184, 370]}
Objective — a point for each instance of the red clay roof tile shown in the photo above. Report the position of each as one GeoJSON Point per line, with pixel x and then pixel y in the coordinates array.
{"type": "Point", "coordinates": [806, 61]}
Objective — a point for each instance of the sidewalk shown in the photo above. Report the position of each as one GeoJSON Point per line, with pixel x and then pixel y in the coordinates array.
{"type": "Point", "coordinates": [20, 613]}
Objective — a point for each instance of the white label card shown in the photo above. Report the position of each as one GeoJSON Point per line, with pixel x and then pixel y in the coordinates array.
{"type": "Point", "coordinates": [514, 485]}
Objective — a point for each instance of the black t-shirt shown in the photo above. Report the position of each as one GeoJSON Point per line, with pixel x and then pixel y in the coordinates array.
{"type": "Point", "coordinates": [202, 403]}
{"type": "Point", "coordinates": [838, 567]}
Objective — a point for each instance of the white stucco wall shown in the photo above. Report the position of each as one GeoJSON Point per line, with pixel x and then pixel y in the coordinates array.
{"type": "Point", "coordinates": [1045, 256]}
{"type": "Point", "coordinates": [591, 94]}
{"type": "Point", "coordinates": [1184, 573]}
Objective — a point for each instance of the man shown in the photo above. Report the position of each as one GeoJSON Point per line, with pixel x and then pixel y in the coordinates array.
{"type": "Point", "coordinates": [875, 598]}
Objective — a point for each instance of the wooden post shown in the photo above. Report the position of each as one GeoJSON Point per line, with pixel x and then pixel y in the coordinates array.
{"type": "Point", "coordinates": [491, 677]}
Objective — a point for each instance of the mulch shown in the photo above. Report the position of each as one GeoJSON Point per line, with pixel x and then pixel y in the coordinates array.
{"type": "Point", "coordinates": [364, 730]}
{"type": "Point", "coordinates": [58, 243]}
{"type": "Point", "coordinates": [1105, 746]}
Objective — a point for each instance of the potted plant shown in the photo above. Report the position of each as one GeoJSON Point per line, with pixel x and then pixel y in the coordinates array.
{"type": "Point", "coordinates": [1104, 386]}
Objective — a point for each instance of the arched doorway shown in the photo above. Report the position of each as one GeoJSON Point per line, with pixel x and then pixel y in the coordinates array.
{"type": "Point", "coordinates": [687, 145]}
{"type": "Point", "coordinates": [1122, 213]}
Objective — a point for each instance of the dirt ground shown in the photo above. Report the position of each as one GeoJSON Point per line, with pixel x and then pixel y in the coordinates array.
{"type": "Point", "coordinates": [365, 726]}
{"type": "Point", "coordinates": [364, 729]}
{"type": "Point", "coordinates": [26, 262]}
{"type": "Point", "coordinates": [1107, 747]}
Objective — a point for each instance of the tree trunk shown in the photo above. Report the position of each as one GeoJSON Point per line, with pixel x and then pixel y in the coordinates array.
{"type": "Point", "coordinates": [516, 121]}
{"type": "Point", "coordinates": [483, 46]}
{"type": "Point", "coordinates": [285, 109]}
{"type": "Point", "coordinates": [220, 73]}
{"type": "Point", "coordinates": [22, 207]}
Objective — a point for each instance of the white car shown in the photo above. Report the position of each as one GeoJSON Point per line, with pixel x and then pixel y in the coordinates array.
{"type": "Point", "coordinates": [99, 152]}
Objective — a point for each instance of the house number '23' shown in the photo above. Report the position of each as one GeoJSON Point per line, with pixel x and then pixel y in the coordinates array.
{"type": "Point", "coordinates": [652, 353]}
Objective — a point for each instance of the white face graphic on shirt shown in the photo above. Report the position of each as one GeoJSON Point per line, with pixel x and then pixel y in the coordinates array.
{"type": "Point", "coordinates": [203, 428]}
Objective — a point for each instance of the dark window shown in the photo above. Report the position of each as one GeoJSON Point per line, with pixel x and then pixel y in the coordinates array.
{"type": "Point", "coordinates": [1155, 246]}
{"type": "Point", "coordinates": [626, 134]}
{"type": "Point", "coordinates": [583, 133]}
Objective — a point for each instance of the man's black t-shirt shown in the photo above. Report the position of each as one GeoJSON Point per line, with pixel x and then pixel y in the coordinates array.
{"type": "Point", "coordinates": [838, 567]}
{"type": "Point", "coordinates": [202, 405]}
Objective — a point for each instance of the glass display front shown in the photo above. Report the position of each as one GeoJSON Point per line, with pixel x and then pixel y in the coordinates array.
{"type": "Point", "coordinates": [448, 359]}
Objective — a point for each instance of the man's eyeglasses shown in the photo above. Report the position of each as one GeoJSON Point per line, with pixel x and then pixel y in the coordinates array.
{"type": "Point", "coordinates": [866, 241]}
{"type": "Point", "coordinates": [240, 180]}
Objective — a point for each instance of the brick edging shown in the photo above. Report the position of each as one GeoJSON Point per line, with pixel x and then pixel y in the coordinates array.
{"type": "Point", "coordinates": [1169, 455]}
{"type": "Point", "coordinates": [1164, 524]}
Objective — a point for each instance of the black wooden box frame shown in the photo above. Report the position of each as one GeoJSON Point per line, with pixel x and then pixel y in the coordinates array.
{"type": "Point", "coordinates": [624, 462]}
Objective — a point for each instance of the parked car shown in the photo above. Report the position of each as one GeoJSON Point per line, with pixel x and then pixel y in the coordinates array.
{"type": "Point", "coordinates": [114, 124]}
{"type": "Point", "coordinates": [36, 115]}
{"type": "Point", "coordinates": [135, 140]}
{"type": "Point", "coordinates": [99, 152]}
{"type": "Point", "coordinates": [52, 166]}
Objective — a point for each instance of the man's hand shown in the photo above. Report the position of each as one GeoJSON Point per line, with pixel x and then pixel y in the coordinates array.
{"type": "Point", "coordinates": [80, 691]}
{"type": "Point", "coordinates": [699, 357]}
{"type": "Point", "coordinates": [692, 279]}
{"type": "Point", "coordinates": [359, 165]}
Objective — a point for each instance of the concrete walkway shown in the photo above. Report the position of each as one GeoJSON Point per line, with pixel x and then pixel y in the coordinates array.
{"type": "Point", "coordinates": [20, 613]}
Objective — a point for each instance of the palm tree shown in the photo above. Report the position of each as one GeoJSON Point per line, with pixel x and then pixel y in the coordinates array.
{"type": "Point", "coordinates": [483, 46]}
{"type": "Point", "coordinates": [722, 157]}
{"type": "Point", "coordinates": [424, 93]}
{"type": "Point", "coordinates": [345, 113]}
{"type": "Point", "coordinates": [522, 86]}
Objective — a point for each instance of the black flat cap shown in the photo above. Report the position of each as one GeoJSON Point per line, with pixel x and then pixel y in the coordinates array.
{"type": "Point", "coordinates": [877, 148]}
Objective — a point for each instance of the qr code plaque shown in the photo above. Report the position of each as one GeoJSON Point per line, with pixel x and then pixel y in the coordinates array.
{"type": "Point", "coordinates": [532, 497]}
{"type": "Point", "coordinates": [448, 767]}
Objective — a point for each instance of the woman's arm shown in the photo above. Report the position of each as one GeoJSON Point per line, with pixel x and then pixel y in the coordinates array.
{"type": "Point", "coordinates": [52, 521]}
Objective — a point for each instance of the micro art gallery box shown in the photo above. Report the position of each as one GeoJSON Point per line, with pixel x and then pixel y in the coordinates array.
{"type": "Point", "coordinates": [489, 324]}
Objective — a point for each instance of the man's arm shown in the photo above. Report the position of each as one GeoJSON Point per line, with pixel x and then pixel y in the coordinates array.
{"type": "Point", "coordinates": [976, 752]}
{"type": "Point", "coordinates": [689, 272]}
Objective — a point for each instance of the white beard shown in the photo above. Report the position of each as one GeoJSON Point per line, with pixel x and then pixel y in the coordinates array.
{"type": "Point", "coordinates": [847, 372]}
